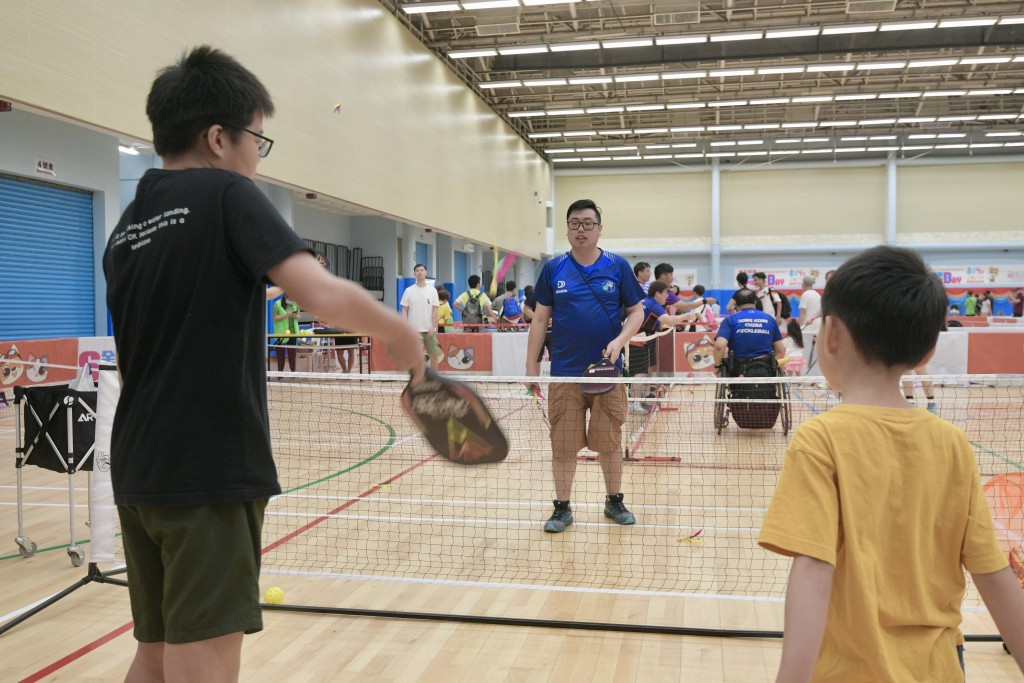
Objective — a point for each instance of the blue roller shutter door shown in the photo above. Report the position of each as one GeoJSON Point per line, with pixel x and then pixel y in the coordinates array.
{"type": "Point", "coordinates": [48, 287]}
{"type": "Point", "coordinates": [461, 275]}
{"type": "Point", "coordinates": [423, 255]}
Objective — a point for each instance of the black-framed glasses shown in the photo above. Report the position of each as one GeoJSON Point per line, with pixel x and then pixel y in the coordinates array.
{"type": "Point", "coordinates": [263, 146]}
{"type": "Point", "coordinates": [586, 225]}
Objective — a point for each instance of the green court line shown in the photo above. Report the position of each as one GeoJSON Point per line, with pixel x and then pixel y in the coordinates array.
{"type": "Point", "coordinates": [384, 449]}
{"type": "Point", "coordinates": [999, 456]}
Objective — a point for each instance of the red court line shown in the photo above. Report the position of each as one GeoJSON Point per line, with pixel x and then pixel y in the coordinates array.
{"type": "Point", "coordinates": [82, 651]}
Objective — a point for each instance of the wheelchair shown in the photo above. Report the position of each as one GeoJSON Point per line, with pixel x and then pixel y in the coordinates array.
{"type": "Point", "coordinates": [752, 405]}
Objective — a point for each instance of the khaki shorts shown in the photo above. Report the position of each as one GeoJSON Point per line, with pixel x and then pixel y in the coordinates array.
{"type": "Point", "coordinates": [568, 408]}
{"type": "Point", "coordinates": [193, 571]}
{"type": "Point", "coordinates": [430, 344]}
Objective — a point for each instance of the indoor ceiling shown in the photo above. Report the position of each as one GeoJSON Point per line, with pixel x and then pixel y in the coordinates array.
{"type": "Point", "coordinates": [615, 83]}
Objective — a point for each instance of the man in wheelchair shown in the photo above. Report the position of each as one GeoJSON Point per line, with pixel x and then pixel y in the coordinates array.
{"type": "Point", "coordinates": [747, 345]}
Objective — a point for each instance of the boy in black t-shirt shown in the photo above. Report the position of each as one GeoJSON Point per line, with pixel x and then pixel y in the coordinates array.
{"type": "Point", "coordinates": [191, 461]}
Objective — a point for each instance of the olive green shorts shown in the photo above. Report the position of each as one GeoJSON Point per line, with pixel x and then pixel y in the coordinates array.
{"type": "Point", "coordinates": [193, 571]}
{"type": "Point", "coordinates": [431, 344]}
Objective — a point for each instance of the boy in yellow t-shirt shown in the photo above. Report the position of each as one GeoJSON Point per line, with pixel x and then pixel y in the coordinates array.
{"type": "Point", "coordinates": [444, 311]}
{"type": "Point", "coordinates": [880, 503]}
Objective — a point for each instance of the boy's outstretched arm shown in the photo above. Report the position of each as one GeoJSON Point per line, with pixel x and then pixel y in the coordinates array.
{"type": "Point", "coordinates": [807, 598]}
{"type": "Point", "coordinates": [347, 305]}
{"type": "Point", "coordinates": [1005, 601]}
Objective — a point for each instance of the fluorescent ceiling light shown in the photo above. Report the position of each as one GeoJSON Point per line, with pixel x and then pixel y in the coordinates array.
{"type": "Point", "coordinates": [811, 98]}
{"type": "Point", "coordinates": [957, 118]}
{"type": "Point", "coordinates": [488, 4]}
{"type": "Point", "coordinates": [882, 137]}
{"type": "Point", "coordinates": [466, 54]}
{"type": "Point", "coordinates": [788, 141]}
{"type": "Point", "coordinates": [687, 129]}
{"type": "Point", "coordinates": [856, 96]}
{"type": "Point", "coordinates": [792, 32]}
{"type": "Point", "coordinates": [632, 158]}
{"type": "Point", "coordinates": [996, 117]}
{"type": "Point", "coordinates": [724, 143]}
{"type": "Point", "coordinates": [985, 60]}
{"type": "Point", "coordinates": [945, 93]}
{"type": "Point", "coordinates": [590, 80]}
{"type": "Point", "coordinates": [720, 154]}
{"type": "Point", "coordinates": [572, 47]}
{"type": "Point", "coordinates": [619, 131]}
{"type": "Point", "coordinates": [605, 110]}
{"type": "Point", "coordinates": [883, 149]}
{"type": "Point", "coordinates": [523, 50]}
{"type": "Point", "coordinates": [1006, 134]}
{"type": "Point", "coordinates": [728, 103]}
{"type": "Point", "coordinates": [645, 107]}
{"type": "Point", "coordinates": [801, 124]}
{"type": "Point", "coordinates": [424, 7]}
{"type": "Point", "coordinates": [827, 150]}
{"type": "Point", "coordinates": [124, 149]}
{"type": "Point", "coordinates": [877, 122]}
{"type": "Point", "coordinates": [686, 105]}
{"type": "Point", "coordinates": [649, 131]}
{"type": "Point", "coordinates": [868, 66]}
{"type": "Point", "coordinates": [542, 82]}
{"type": "Point", "coordinates": [632, 42]}
{"type": "Point", "coordinates": [651, 157]}
{"type": "Point", "coordinates": [729, 37]}
{"type": "Point", "coordinates": [578, 133]}
{"type": "Point", "coordinates": [925, 63]}
{"type": "Point", "coordinates": [636, 78]}
{"type": "Point", "coordinates": [545, 135]}
{"type": "Point", "coordinates": [722, 73]}
{"type": "Point", "coordinates": [1011, 20]}
{"type": "Point", "coordinates": [523, 114]}
{"type": "Point", "coordinates": [761, 153]}
{"type": "Point", "coordinates": [566, 150]}
{"type": "Point", "coordinates": [564, 159]}
{"type": "Point", "coordinates": [684, 145]}
{"type": "Point", "coordinates": [953, 146]}
{"type": "Point", "coordinates": [689, 156]}
{"type": "Point", "coordinates": [855, 138]}
{"type": "Point", "coordinates": [907, 25]}
{"type": "Point", "coordinates": [922, 136]}
{"type": "Point", "coordinates": [813, 68]}
{"type": "Point", "coordinates": [848, 28]}
{"type": "Point", "coordinates": [916, 119]}
{"type": "Point", "coordinates": [726, 127]}
{"type": "Point", "coordinates": [585, 150]}
{"type": "Point", "coordinates": [530, 3]}
{"type": "Point", "coordinates": [598, 159]}
{"type": "Point", "coordinates": [750, 142]}
{"type": "Point", "coordinates": [837, 124]}
{"type": "Point", "coordinates": [1006, 91]}
{"type": "Point", "coordinates": [762, 126]}
{"type": "Point", "coordinates": [959, 23]}
{"type": "Point", "coordinates": [897, 95]}
{"type": "Point", "coordinates": [681, 40]}
{"type": "Point", "coordinates": [683, 74]}
{"type": "Point", "coordinates": [488, 85]}
{"type": "Point", "coordinates": [850, 149]}
{"type": "Point", "coordinates": [657, 146]}
{"type": "Point", "coordinates": [982, 145]}
{"type": "Point", "coordinates": [564, 112]}
{"type": "Point", "coordinates": [771, 100]}
{"type": "Point", "coordinates": [764, 71]}
{"type": "Point", "coordinates": [811, 140]}
{"type": "Point", "coordinates": [946, 136]}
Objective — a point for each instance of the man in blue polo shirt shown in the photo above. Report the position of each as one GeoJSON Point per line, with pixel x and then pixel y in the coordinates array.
{"type": "Point", "coordinates": [583, 292]}
{"type": "Point", "coordinates": [748, 332]}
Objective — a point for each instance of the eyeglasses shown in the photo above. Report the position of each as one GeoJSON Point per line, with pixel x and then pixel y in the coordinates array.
{"type": "Point", "coordinates": [263, 146]}
{"type": "Point", "coordinates": [586, 225]}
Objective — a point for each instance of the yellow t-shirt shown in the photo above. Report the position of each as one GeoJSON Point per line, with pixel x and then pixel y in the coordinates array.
{"type": "Point", "coordinates": [892, 498]}
{"type": "Point", "coordinates": [444, 314]}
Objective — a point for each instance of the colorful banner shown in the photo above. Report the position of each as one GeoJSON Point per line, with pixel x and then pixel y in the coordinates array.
{"type": "Point", "coordinates": [981, 276]}
{"type": "Point", "coordinates": [694, 353]}
{"type": "Point", "coordinates": [96, 350]}
{"type": "Point", "coordinates": [461, 352]}
{"type": "Point", "coordinates": [25, 363]}
{"type": "Point", "coordinates": [787, 278]}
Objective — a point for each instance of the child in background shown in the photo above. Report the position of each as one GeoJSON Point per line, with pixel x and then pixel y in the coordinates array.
{"type": "Point", "coordinates": [879, 503]}
{"type": "Point", "coordinates": [794, 343]}
{"type": "Point", "coordinates": [444, 311]}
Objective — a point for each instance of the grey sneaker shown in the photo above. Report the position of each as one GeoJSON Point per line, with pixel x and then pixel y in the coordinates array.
{"type": "Point", "coordinates": [615, 509]}
{"type": "Point", "coordinates": [933, 408]}
{"type": "Point", "coordinates": [560, 518]}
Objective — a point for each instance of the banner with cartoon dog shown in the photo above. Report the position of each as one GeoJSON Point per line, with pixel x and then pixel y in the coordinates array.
{"type": "Point", "coordinates": [460, 352]}
{"type": "Point", "coordinates": [694, 352]}
{"type": "Point", "coordinates": [28, 362]}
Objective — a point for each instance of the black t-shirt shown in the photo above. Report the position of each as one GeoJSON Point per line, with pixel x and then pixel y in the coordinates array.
{"type": "Point", "coordinates": [185, 272]}
{"type": "Point", "coordinates": [757, 303]}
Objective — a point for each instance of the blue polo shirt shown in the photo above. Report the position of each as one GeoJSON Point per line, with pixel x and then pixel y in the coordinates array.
{"type": "Point", "coordinates": [750, 333]}
{"type": "Point", "coordinates": [584, 318]}
{"type": "Point", "coordinates": [651, 306]}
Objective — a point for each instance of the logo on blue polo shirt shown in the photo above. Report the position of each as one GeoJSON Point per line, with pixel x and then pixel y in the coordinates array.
{"type": "Point", "coordinates": [608, 286]}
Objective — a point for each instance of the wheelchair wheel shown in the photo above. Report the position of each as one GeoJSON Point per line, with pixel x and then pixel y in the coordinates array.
{"type": "Point", "coordinates": [787, 418]}
{"type": "Point", "coordinates": [721, 416]}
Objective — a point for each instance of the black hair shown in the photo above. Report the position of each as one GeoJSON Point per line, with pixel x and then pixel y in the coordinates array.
{"type": "Point", "coordinates": [741, 279]}
{"type": "Point", "coordinates": [663, 268]}
{"type": "Point", "coordinates": [699, 290]}
{"type": "Point", "coordinates": [510, 286]}
{"type": "Point", "coordinates": [527, 290]}
{"type": "Point", "coordinates": [640, 267]}
{"type": "Point", "coordinates": [656, 287]}
{"type": "Point", "coordinates": [582, 205]}
{"type": "Point", "coordinates": [204, 88]}
{"type": "Point", "coordinates": [474, 281]}
{"type": "Point", "coordinates": [892, 304]}
{"type": "Point", "coordinates": [418, 265]}
{"type": "Point", "coordinates": [443, 295]}
{"type": "Point", "coordinates": [794, 332]}
{"type": "Point", "coordinates": [761, 274]}
{"type": "Point", "coordinates": [745, 297]}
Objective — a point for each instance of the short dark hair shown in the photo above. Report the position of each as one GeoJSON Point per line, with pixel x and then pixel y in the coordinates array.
{"type": "Point", "coordinates": [474, 281]}
{"type": "Point", "coordinates": [741, 279]}
{"type": "Point", "coordinates": [893, 305]}
{"type": "Point", "coordinates": [581, 205]}
{"type": "Point", "coordinates": [699, 290]}
{"type": "Point", "coordinates": [640, 267]}
{"type": "Point", "coordinates": [761, 274]}
{"type": "Point", "coordinates": [656, 287]}
{"type": "Point", "coordinates": [510, 286]}
{"type": "Point", "coordinates": [418, 265]}
{"type": "Point", "coordinates": [443, 295]}
{"type": "Point", "coordinates": [663, 268]}
{"type": "Point", "coordinates": [204, 88]}
{"type": "Point", "coordinates": [745, 297]}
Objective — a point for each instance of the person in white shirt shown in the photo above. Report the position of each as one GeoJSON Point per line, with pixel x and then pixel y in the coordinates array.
{"type": "Point", "coordinates": [419, 306]}
{"type": "Point", "coordinates": [771, 301]}
{"type": "Point", "coordinates": [810, 307]}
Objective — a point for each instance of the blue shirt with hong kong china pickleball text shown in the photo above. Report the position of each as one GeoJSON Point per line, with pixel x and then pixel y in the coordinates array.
{"type": "Point", "coordinates": [586, 307]}
{"type": "Point", "coordinates": [750, 333]}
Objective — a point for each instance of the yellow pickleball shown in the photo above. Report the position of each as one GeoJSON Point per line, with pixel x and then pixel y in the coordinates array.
{"type": "Point", "coordinates": [273, 596]}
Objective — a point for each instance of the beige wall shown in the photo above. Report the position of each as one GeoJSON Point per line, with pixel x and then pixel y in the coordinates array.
{"type": "Point", "coordinates": [411, 141]}
{"type": "Point", "coordinates": [647, 209]}
{"type": "Point", "coordinates": [979, 202]}
{"type": "Point", "coordinates": [835, 205]}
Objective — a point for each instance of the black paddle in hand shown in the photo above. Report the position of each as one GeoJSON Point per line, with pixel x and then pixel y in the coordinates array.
{"type": "Point", "coordinates": [454, 420]}
{"type": "Point", "coordinates": [603, 368]}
